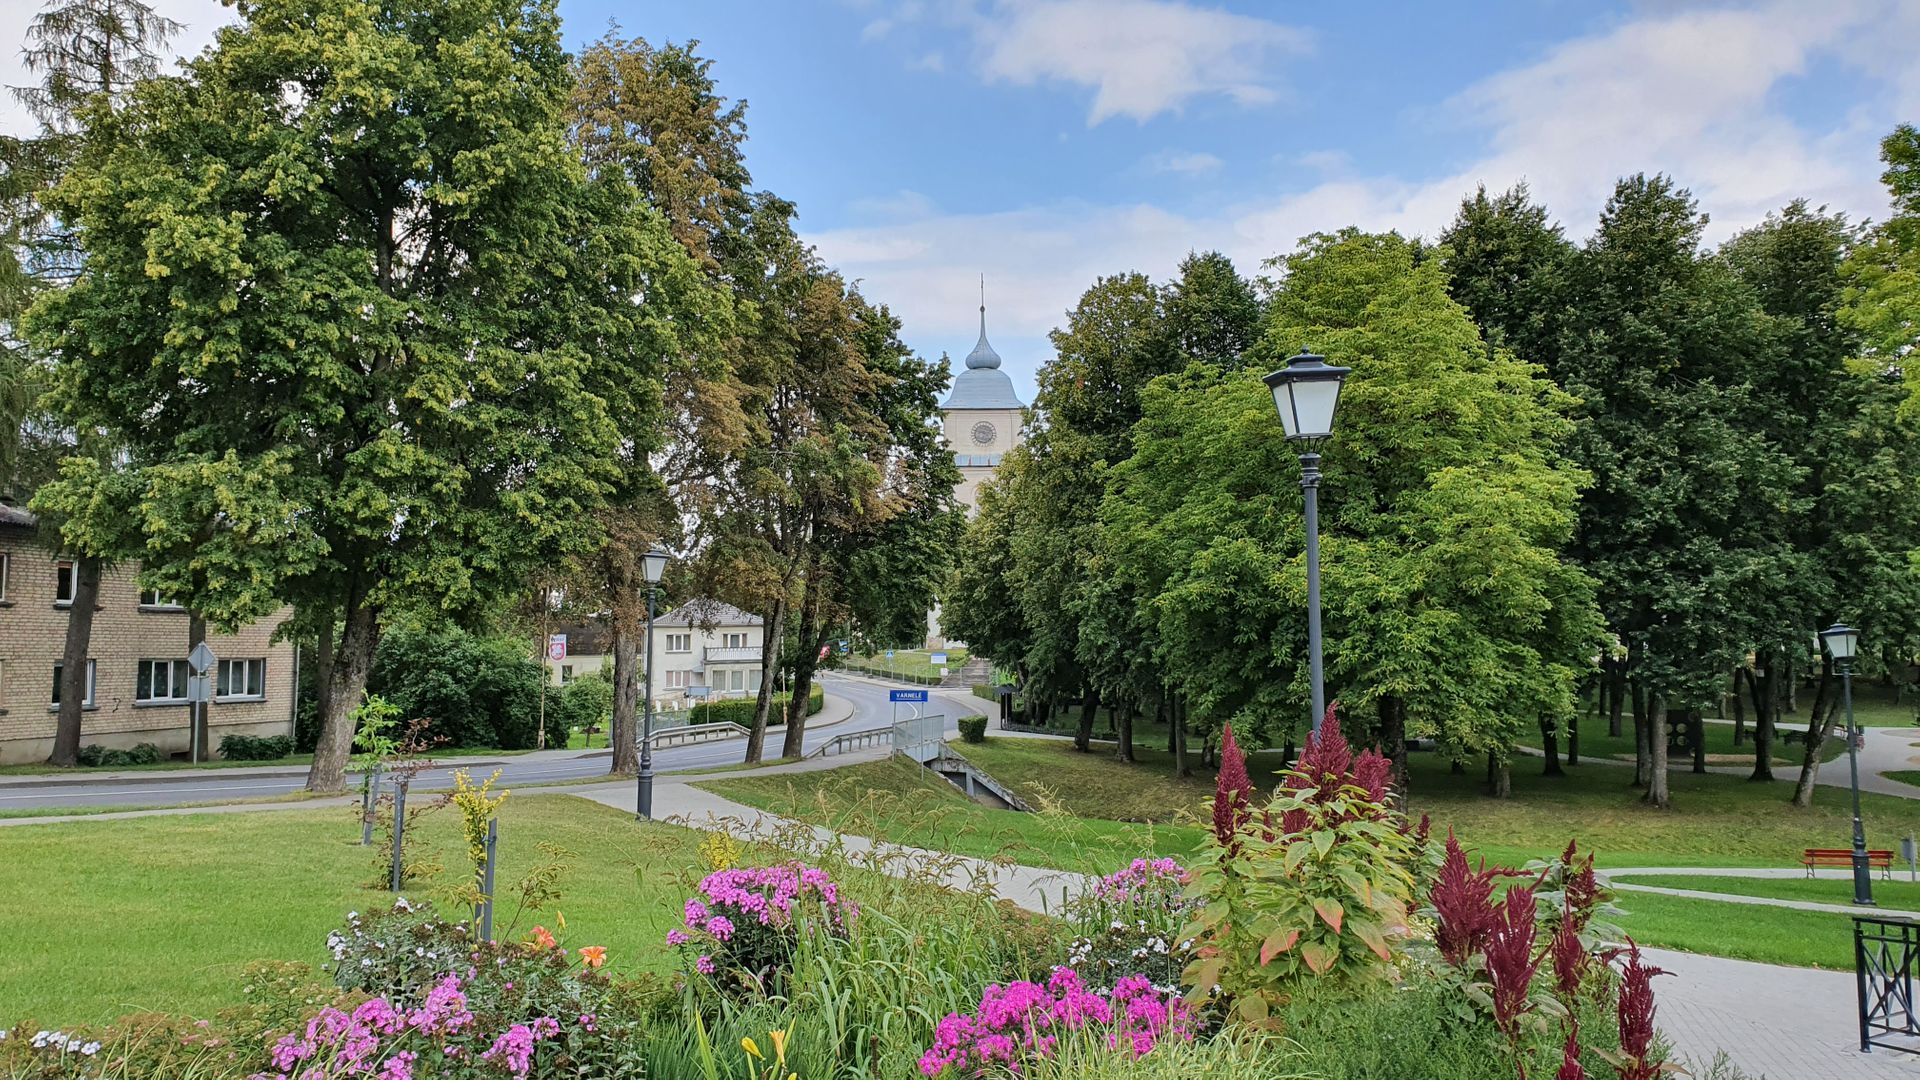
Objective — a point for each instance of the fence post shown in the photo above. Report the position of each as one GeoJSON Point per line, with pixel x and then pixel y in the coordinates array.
{"type": "Point", "coordinates": [399, 827]}
{"type": "Point", "coordinates": [485, 910]}
{"type": "Point", "coordinates": [369, 806]}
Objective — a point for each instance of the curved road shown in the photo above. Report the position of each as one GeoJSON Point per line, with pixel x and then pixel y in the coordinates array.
{"type": "Point", "coordinates": [867, 697]}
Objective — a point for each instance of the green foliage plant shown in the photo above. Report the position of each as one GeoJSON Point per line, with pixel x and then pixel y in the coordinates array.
{"type": "Point", "coordinates": [973, 729]}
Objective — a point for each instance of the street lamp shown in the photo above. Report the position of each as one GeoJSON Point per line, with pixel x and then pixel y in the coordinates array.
{"type": "Point", "coordinates": [1307, 392]}
{"type": "Point", "coordinates": [652, 565]}
{"type": "Point", "coordinates": [1842, 643]}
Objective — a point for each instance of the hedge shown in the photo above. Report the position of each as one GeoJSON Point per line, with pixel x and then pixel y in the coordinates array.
{"type": "Point", "coordinates": [256, 747]}
{"type": "Point", "coordinates": [740, 710]}
{"type": "Point", "coordinates": [973, 729]}
{"type": "Point", "coordinates": [896, 676]}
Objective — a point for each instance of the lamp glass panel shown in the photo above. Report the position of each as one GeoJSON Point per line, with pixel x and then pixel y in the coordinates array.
{"type": "Point", "coordinates": [1842, 641]}
{"type": "Point", "coordinates": [1314, 401]}
{"type": "Point", "coordinates": [1283, 402]}
{"type": "Point", "coordinates": [652, 565]}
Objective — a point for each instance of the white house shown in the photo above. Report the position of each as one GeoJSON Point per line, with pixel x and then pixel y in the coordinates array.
{"type": "Point", "coordinates": [700, 643]}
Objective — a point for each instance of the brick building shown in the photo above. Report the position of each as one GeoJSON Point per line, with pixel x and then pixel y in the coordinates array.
{"type": "Point", "coordinates": [138, 663]}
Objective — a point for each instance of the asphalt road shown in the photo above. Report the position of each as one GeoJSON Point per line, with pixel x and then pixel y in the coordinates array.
{"type": "Point", "coordinates": [867, 697]}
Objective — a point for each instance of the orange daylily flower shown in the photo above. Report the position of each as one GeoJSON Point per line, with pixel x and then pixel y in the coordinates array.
{"type": "Point", "coordinates": [542, 939]}
{"type": "Point", "coordinates": [594, 955]}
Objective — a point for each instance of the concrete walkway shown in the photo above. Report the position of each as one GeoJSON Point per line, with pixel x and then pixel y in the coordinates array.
{"type": "Point", "coordinates": [1612, 877]}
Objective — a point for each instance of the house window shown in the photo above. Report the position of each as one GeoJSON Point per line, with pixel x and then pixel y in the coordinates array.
{"type": "Point", "coordinates": [566, 674]}
{"type": "Point", "coordinates": [739, 679]}
{"type": "Point", "coordinates": [753, 680]}
{"type": "Point", "coordinates": [241, 679]}
{"type": "Point", "coordinates": [676, 680]}
{"type": "Point", "coordinates": [679, 642]}
{"type": "Point", "coordinates": [151, 598]}
{"type": "Point", "coordinates": [157, 681]}
{"type": "Point", "coordinates": [88, 702]}
{"type": "Point", "coordinates": [6, 571]}
{"type": "Point", "coordinates": [66, 577]}
{"type": "Point", "coordinates": [736, 641]}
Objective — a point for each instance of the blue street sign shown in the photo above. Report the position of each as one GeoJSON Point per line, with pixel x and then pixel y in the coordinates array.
{"type": "Point", "coordinates": [906, 695]}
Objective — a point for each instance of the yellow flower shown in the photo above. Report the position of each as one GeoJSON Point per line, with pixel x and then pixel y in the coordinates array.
{"type": "Point", "coordinates": [779, 1045]}
{"type": "Point", "coordinates": [746, 1043]}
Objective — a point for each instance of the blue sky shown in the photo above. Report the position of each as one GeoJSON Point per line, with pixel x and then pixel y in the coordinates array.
{"type": "Point", "coordinates": [1044, 142]}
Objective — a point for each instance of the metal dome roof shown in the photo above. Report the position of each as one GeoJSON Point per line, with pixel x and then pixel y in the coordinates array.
{"type": "Point", "coordinates": [982, 385]}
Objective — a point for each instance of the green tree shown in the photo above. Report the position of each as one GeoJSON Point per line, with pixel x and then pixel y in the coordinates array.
{"type": "Point", "coordinates": [1451, 610]}
{"type": "Point", "coordinates": [1211, 313]}
{"type": "Point", "coordinates": [346, 300]}
{"type": "Point", "coordinates": [1882, 299]}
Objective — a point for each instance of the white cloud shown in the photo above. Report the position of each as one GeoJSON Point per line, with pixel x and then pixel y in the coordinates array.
{"type": "Point", "coordinates": [1140, 58]}
{"type": "Point", "coordinates": [1693, 93]}
{"type": "Point", "coordinates": [202, 18]}
{"type": "Point", "coordinates": [1191, 163]}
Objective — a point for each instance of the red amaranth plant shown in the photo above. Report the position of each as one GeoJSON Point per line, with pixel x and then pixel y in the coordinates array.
{"type": "Point", "coordinates": [1511, 963]}
{"type": "Point", "coordinates": [1232, 793]}
{"type": "Point", "coordinates": [1570, 1067]}
{"type": "Point", "coordinates": [1582, 889]}
{"type": "Point", "coordinates": [1328, 764]}
{"type": "Point", "coordinates": [1463, 906]}
{"type": "Point", "coordinates": [1569, 960]}
{"type": "Point", "coordinates": [1635, 1060]}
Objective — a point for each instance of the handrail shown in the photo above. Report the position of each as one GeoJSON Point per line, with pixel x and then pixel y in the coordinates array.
{"type": "Point", "coordinates": [697, 733]}
{"type": "Point", "coordinates": [852, 740]}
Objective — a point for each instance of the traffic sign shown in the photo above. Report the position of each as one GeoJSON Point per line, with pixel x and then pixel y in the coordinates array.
{"type": "Point", "coordinates": [699, 691]}
{"type": "Point", "coordinates": [197, 688]}
{"type": "Point", "coordinates": [889, 654]}
{"type": "Point", "coordinates": [906, 695]}
{"type": "Point", "coordinates": [937, 659]}
{"type": "Point", "coordinates": [200, 659]}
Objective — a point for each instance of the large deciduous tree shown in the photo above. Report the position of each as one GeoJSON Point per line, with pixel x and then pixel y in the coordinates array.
{"type": "Point", "coordinates": [344, 295]}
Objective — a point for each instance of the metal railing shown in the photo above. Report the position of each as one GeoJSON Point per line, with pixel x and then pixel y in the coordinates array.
{"type": "Point", "coordinates": [853, 740]}
{"type": "Point", "coordinates": [1885, 952]}
{"type": "Point", "coordinates": [920, 737]}
{"type": "Point", "coordinates": [690, 734]}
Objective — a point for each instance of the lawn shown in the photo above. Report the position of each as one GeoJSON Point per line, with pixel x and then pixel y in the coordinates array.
{"type": "Point", "coordinates": [915, 662]}
{"type": "Point", "coordinates": [1898, 893]}
{"type": "Point", "coordinates": [1595, 742]}
{"type": "Point", "coordinates": [1715, 821]}
{"type": "Point", "coordinates": [102, 918]}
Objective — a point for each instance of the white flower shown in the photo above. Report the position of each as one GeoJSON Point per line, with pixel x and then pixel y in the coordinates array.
{"type": "Point", "coordinates": [90, 1049]}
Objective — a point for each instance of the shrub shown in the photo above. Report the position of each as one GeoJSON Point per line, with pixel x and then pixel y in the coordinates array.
{"type": "Point", "coordinates": [740, 710]}
{"type": "Point", "coordinates": [973, 729]}
{"type": "Point", "coordinates": [256, 747]}
{"type": "Point", "coordinates": [1022, 1022]}
{"type": "Point", "coordinates": [101, 757]}
{"type": "Point", "coordinates": [741, 932]}
{"type": "Point", "coordinates": [475, 690]}
{"type": "Point", "coordinates": [397, 953]}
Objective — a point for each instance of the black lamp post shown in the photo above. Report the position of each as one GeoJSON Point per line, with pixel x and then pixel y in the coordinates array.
{"type": "Point", "coordinates": [652, 565]}
{"type": "Point", "coordinates": [1307, 392]}
{"type": "Point", "coordinates": [1842, 643]}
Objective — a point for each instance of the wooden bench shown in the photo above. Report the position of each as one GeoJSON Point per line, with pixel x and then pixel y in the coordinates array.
{"type": "Point", "coordinates": [1878, 860]}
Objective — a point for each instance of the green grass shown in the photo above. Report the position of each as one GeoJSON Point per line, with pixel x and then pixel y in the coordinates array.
{"type": "Point", "coordinates": [1899, 893]}
{"type": "Point", "coordinates": [909, 662]}
{"type": "Point", "coordinates": [1905, 776]}
{"type": "Point", "coordinates": [1769, 935]}
{"type": "Point", "coordinates": [1595, 742]}
{"type": "Point", "coordinates": [103, 918]}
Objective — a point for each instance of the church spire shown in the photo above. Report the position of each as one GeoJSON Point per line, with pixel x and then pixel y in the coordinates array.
{"type": "Point", "coordinates": [983, 355]}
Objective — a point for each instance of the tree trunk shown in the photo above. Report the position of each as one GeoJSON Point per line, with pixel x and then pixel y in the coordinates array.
{"type": "Point", "coordinates": [1169, 717]}
{"type": "Point", "coordinates": [73, 664]}
{"type": "Point", "coordinates": [1123, 719]}
{"type": "Point", "coordinates": [1657, 731]}
{"type": "Point", "coordinates": [1089, 708]}
{"type": "Point", "coordinates": [1697, 731]}
{"type": "Point", "coordinates": [775, 621]}
{"type": "Point", "coordinates": [1642, 742]}
{"type": "Point", "coordinates": [1499, 777]}
{"type": "Point", "coordinates": [1178, 713]}
{"type": "Point", "coordinates": [623, 732]}
{"type": "Point", "coordinates": [1790, 683]}
{"type": "Point", "coordinates": [1822, 696]}
{"type": "Point", "coordinates": [199, 725]}
{"type": "Point", "coordinates": [1550, 750]}
{"type": "Point", "coordinates": [322, 670]}
{"type": "Point", "coordinates": [348, 682]}
{"type": "Point", "coordinates": [1816, 740]}
{"type": "Point", "coordinates": [1765, 703]}
{"type": "Point", "coordinates": [813, 634]}
{"type": "Point", "coordinates": [1739, 706]}
{"type": "Point", "coordinates": [1616, 693]}
{"type": "Point", "coordinates": [1393, 736]}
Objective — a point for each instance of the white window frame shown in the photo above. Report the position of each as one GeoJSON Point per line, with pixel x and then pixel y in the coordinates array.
{"type": "Point", "coordinates": [566, 674]}
{"type": "Point", "coordinates": [151, 600]}
{"type": "Point", "coordinates": [677, 679]}
{"type": "Point", "coordinates": [736, 641]}
{"type": "Point", "coordinates": [177, 674]}
{"type": "Point", "coordinates": [222, 675]}
{"type": "Point", "coordinates": [66, 572]}
{"type": "Point", "coordinates": [93, 678]}
{"type": "Point", "coordinates": [6, 573]}
{"type": "Point", "coordinates": [679, 643]}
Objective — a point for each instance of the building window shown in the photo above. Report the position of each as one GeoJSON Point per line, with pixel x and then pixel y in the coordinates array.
{"type": "Point", "coordinates": [6, 571]}
{"type": "Point", "coordinates": [676, 680]}
{"type": "Point", "coordinates": [88, 702]}
{"type": "Point", "coordinates": [240, 679]}
{"type": "Point", "coordinates": [156, 681]}
{"type": "Point", "coordinates": [739, 679]}
{"type": "Point", "coordinates": [753, 680]}
{"type": "Point", "coordinates": [566, 674]}
{"type": "Point", "coordinates": [736, 641]}
{"type": "Point", "coordinates": [679, 642]}
{"type": "Point", "coordinates": [66, 577]}
{"type": "Point", "coordinates": [151, 598]}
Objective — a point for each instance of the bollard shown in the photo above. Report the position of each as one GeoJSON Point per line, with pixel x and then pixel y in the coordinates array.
{"type": "Point", "coordinates": [399, 827]}
{"type": "Point", "coordinates": [484, 913]}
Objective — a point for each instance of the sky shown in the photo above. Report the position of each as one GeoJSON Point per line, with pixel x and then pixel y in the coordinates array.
{"type": "Point", "coordinates": [1044, 143]}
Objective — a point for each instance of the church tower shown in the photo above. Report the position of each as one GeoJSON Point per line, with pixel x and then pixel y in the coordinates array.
{"type": "Point", "coordinates": [982, 416]}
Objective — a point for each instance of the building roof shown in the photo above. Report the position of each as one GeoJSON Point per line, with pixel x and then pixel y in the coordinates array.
{"type": "Point", "coordinates": [982, 385]}
{"type": "Point", "coordinates": [705, 613]}
{"type": "Point", "coordinates": [13, 515]}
